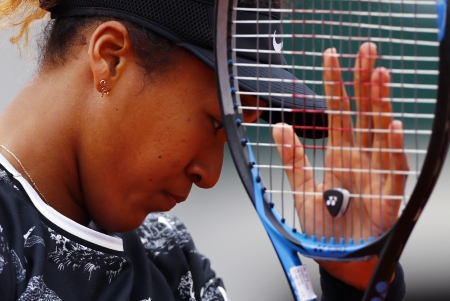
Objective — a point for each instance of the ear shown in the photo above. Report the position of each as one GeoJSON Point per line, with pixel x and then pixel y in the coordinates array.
{"type": "Point", "coordinates": [110, 50]}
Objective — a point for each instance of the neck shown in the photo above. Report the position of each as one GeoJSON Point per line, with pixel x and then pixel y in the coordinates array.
{"type": "Point", "coordinates": [41, 127]}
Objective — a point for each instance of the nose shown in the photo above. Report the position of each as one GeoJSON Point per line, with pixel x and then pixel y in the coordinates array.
{"type": "Point", "coordinates": [204, 170]}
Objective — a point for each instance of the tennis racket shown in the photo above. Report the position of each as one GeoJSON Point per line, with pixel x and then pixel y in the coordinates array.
{"type": "Point", "coordinates": [365, 123]}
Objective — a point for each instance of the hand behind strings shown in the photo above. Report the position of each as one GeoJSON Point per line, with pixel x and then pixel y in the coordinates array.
{"type": "Point", "coordinates": [350, 154]}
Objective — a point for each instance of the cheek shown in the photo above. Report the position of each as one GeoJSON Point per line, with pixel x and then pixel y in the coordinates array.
{"type": "Point", "coordinates": [168, 155]}
{"type": "Point", "coordinates": [221, 136]}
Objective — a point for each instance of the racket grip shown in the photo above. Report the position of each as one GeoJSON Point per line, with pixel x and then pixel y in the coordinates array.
{"type": "Point", "coordinates": [295, 272]}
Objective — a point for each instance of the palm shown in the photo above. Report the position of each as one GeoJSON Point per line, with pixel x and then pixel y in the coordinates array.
{"type": "Point", "coordinates": [363, 215]}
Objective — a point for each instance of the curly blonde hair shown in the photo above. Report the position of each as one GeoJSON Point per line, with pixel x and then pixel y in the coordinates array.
{"type": "Point", "coordinates": [23, 13]}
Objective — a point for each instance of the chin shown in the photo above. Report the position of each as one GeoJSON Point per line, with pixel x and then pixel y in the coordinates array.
{"type": "Point", "coordinates": [127, 218]}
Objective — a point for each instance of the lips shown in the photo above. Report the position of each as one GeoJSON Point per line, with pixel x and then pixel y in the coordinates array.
{"type": "Point", "coordinates": [174, 199]}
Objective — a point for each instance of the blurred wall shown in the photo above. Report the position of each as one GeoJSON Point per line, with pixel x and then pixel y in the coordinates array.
{"type": "Point", "coordinates": [227, 230]}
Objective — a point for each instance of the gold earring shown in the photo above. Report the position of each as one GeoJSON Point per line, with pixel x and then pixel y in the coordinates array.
{"type": "Point", "coordinates": [103, 87]}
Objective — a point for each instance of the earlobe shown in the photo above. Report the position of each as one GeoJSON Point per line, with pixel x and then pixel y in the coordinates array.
{"type": "Point", "coordinates": [109, 51]}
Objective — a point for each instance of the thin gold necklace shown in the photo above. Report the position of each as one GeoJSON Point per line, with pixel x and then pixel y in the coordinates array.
{"type": "Point", "coordinates": [26, 172]}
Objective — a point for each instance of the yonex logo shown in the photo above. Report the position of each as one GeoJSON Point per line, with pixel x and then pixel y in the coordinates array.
{"type": "Point", "coordinates": [336, 200]}
{"type": "Point", "coordinates": [331, 200]}
{"type": "Point", "coordinates": [277, 46]}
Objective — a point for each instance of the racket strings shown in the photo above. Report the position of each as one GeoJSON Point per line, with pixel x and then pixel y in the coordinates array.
{"type": "Point", "coordinates": [349, 55]}
{"type": "Point", "coordinates": [362, 130]}
{"type": "Point", "coordinates": [334, 23]}
{"type": "Point", "coordinates": [405, 36]}
{"type": "Point", "coordinates": [342, 69]}
{"type": "Point", "coordinates": [308, 96]}
{"type": "Point", "coordinates": [400, 15]}
{"type": "Point", "coordinates": [345, 83]}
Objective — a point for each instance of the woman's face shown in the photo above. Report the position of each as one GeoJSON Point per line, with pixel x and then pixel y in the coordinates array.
{"type": "Point", "coordinates": [146, 150]}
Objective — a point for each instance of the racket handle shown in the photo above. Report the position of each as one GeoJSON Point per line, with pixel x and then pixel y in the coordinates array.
{"type": "Point", "coordinates": [295, 272]}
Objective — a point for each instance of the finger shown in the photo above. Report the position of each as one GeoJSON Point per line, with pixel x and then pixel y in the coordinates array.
{"type": "Point", "coordinates": [399, 161]}
{"type": "Point", "coordinates": [382, 111]}
{"type": "Point", "coordinates": [340, 133]}
{"type": "Point", "coordinates": [364, 64]}
{"type": "Point", "coordinates": [293, 156]}
{"type": "Point", "coordinates": [396, 180]}
{"type": "Point", "coordinates": [302, 180]}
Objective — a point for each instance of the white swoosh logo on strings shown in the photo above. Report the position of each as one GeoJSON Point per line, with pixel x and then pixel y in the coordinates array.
{"type": "Point", "coordinates": [277, 46]}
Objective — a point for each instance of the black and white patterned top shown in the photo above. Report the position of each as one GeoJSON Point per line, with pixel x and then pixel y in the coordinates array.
{"type": "Point", "coordinates": [46, 256]}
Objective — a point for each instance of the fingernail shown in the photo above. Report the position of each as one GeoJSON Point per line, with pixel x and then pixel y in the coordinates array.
{"type": "Point", "coordinates": [397, 125]}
